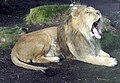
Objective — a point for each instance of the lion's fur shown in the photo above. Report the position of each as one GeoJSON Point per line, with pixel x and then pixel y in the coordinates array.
{"type": "Point", "coordinates": [72, 39]}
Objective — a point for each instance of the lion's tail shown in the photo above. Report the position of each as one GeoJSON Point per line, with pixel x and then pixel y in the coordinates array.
{"type": "Point", "coordinates": [19, 63]}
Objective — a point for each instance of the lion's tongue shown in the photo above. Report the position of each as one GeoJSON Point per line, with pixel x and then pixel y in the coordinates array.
{"type": "Point", "coordinates": [96, 33]}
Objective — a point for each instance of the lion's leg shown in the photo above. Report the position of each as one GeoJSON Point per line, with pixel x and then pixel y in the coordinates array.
{"type": "Point", "coordinates": [98, 60]}
{"type": "Point", "coordinates": [103, 54]}
{"type": "Point", "coordinates": [47, 54]}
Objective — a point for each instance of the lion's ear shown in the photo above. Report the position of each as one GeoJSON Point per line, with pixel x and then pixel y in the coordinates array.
{"type": "Point", "coordinates": [74, 9]}
{"type": "Point", "coordinates": [75, 13]}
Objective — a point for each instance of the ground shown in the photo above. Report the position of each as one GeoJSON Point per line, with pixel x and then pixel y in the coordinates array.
{"type": "Point", "coordinates": [67, 71]}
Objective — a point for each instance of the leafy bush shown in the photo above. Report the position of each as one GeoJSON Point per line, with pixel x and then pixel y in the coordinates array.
{"type": "Point", "coordinates": [107, 39]}
{"type": "Point", "coordinates": [7, 36]}
{"type": "Point", "coordinates": [45, 13]}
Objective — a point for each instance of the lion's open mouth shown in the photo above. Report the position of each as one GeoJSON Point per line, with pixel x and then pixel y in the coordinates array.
{"type": "Point", "coordinates": [94, 29]}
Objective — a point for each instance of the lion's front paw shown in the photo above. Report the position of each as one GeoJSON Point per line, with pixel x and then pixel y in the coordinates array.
{"type": "Point", "coordinates": [110, 62]}
{"type": "Point", "coordinates": [106, 61]}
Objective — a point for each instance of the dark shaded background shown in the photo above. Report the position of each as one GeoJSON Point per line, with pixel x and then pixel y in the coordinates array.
{"type": "Point", "coordinates": [10, 6]}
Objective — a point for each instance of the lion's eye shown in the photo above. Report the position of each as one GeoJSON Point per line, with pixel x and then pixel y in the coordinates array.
{"type": "Point", "coordinates": [98, 13]}
{"type": "Point", "coordinates": [88, 12]}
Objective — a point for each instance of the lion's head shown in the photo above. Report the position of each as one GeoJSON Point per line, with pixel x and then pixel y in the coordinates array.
{"type": "Point", "coordinates": [87, 20]}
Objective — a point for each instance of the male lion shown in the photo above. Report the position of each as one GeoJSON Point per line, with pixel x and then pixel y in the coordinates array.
{"type": "Point", "coordinates": [77, 39]}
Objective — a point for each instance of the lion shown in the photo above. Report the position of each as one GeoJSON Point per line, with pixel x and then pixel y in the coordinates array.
{"type": "Point", "coordinates": [78, 39]}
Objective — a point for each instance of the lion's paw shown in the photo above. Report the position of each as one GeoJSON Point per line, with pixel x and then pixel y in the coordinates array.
{"type": "Point", "coordinates": [106, 61]}
{"type": "Point", "coordinates": [110, 61]}
{"type": "Point", "coordinates": [55, 59]}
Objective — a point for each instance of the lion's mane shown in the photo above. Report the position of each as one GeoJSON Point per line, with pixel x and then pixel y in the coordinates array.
{"type": "Point", "coordinates": [76, 32]}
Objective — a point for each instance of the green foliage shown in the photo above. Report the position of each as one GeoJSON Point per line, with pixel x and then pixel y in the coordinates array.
{"type": "Point", "coordinates": [7, 36]}
{"type": "Point", "coordinates": [107, 39]}
{"type": "Point", "coordinates": [45, 13]}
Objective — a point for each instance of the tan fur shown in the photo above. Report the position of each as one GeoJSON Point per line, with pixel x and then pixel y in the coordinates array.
{"type": "Point", "coordinates": [73, 40]}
